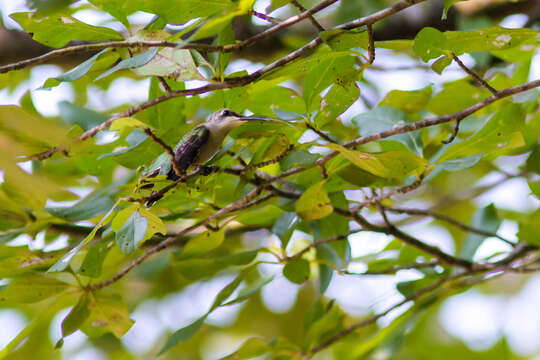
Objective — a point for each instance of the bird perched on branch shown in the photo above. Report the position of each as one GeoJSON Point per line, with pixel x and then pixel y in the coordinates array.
{"type": "Point", "coordinates": [201, 143]}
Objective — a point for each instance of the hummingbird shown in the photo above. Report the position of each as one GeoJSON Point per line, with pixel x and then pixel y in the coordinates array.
{"type": "Point", "coordinates": [201, 143]}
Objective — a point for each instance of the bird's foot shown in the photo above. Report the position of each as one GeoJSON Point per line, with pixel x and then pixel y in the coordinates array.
{"type": "Point", "coordinates": [208, 169]}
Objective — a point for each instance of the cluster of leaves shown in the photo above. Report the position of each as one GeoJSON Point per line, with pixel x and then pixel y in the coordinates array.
{"type": "Point", "coordinates": [201, 221]}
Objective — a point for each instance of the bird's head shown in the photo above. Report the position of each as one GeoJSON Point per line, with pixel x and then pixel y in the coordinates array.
{"type": "Point", "coordinates": [227, 119]}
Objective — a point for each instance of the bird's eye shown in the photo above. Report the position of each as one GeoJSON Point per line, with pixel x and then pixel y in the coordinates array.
{"type": "Point", "coordinates": [226, 113]}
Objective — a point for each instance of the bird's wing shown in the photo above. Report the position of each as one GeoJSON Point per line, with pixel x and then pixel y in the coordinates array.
{"type": "Point", "coordinates": [189, 147]}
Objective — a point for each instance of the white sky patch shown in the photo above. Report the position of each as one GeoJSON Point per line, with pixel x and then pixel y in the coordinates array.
{"type": "Point", "coordinates": [146, 330]}
{"type": "Point", "coordinates": [364, 243]}
{"type": "Point", "coordinates": [522, 323]}
{"type": "Point", "coordinates": [12, 323]}
{"type": "Point", "coordinates": [535, 67]}
{"type": "Point", "coordinates": [140, 17]}
{"type": "Point", "coordinates": [279, 296]}
{"type": "Point", "coordinates": [241, 64]}
{"type": "Point", "coordinates": [72, 343]}
{"type": "Point", "coordinates": [513, 194]}
{"type": "Point", "coordinates": [122, 91]}
{"type": "Point", "coordinates": [194, 301]}
{"type": "Point", "coordinates": [46, 101]}
{"type": "Point", "coordinates": [98, 18]}
{"type": "Point", "coordinates": [474, 318]}
{"type": "Point", "coordinates": [88, 353]}
{"type": "Point", "coordinates": [10, 7]}
{"type": "Point", "coordinates": [514, 21]}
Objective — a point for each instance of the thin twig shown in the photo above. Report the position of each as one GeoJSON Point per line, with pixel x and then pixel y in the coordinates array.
{"type": "Point", "coordinates": [311, 18]}
{"type": "Point", "coordinates": [371, 48]}
{"type": "Point", "coordinates": [315, 244]}
{"type": "Point", "coordinates": [450, 220]}
{"type": "Point", "coordinates": [390, 229]}
{"type": "Point", "coordinates": [168, 150]}
{"type": "Point", "coordinates": [372, 319]}
{"type": "Point", "coordinates": [395, 269]}
{"type": "Point", "coordinates": [268, 162]}
{"type": "Point", "coordinates": [164, 84]}
{"type": "Point", "coordinates": [264, 17]}
{"type": "Point", "coordinates": [319, 132]}
{"type": "Point", "coordinates": [474, 75]}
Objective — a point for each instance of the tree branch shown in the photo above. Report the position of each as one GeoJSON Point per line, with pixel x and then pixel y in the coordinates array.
{"type": "Point", "coordinates": [450, 220]}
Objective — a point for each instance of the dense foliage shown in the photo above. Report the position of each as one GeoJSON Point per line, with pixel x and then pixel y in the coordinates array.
{"type": "Point", "coordinates": [289, 198]}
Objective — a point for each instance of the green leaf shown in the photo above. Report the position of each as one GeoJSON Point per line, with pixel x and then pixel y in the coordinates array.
{"type": "Point", "coordinates": [341, 40]}
{"type": "Point", "coordinates": [130, 63]}
{"type": "Point", "coordinates": [183, 334]}
{"type": "Point", "coordinates": [488, 39]}
{"type": "Point", "coordinates": [460, 163]}
{"type": "Point", "coordinates": [297, 271]}
{"type": "Point", "coordinates": [76, 317]}
{"type": "Point", "coordinates": [178, 11]}
{"type": "Point", "coordinates": [31, 288]}
{"type": "Point", "coordinates": [495, 134]}
{"type": "Point", "coordinates": [226, 292]}
{"type": "Point", "coordinates": [35, 327]}
{"type": "Point", "coordinates": [58, 30]}
{"type": "Point", "coordinates": [249, 290]}
{"type": "Point", "coordinates": [265, 215]}
{"type": "Point", "coordinates": [17, 260]}
{"type": "Point", "coordinates": [329, 323]}
{"type": "Point", "coordinates": [119, 10]}
{"type": "Point", "coordinates": [314, 203]}
{"type": "Point", "coordinates": [91, 206]}
{"type": "Point", "coordinates": [535, 188]}
{"type": "Point", "coordinates": [155, 225]}
{"type": "Point", "coordinates": [173, 63]}
{"type": "Point", "coordinates": [303, 66]}
{"type": "Point", "coordinates": [202, 243]}
{"type": "Point", "coordinates": [407, 288]}
{"type": "Point", "coordinates": [395, 164]}
{"type": "Point", "coordinates": [108, 314]}
{"type": "Point", "coordinates": [456, 96]}
{"type": "Point", "coordinates": [123, 123]}
{"type": "Point", "coordinates": [251, 348]}
{"type": "Point", "coordinates": [407, 101]}
{"type": "Point", "coordinates": [284, 227]}
{"type": "Point", "coordinates": [429, 44]}
{"type": "Point", "coordinates": [65, 260]}
{"type": "Point", "coordinates": [297, 157]}
{"type": "Point", "coordinates": [533, 160]}
{"type": "Point", "coordinates": [485, 219]}
{"type": "Point", "coordinates": [528, 232]}
{"type": "Point", "coordinates": [93, 261]}
{"type": "Point", "coordinates": [322, 75]}
{"type": "Point", "coordinates": [75, 73]}
{"type": "Point", "coordinates": [441, 63]}
{"type": "Point", "coordinates": [337, 100]}
{"type": "Point", "coordinates": [132, 233]}
{"type": "Point", "coordinates": [447, 4]}
{"type": "Point", "coordinates": [75, 115]}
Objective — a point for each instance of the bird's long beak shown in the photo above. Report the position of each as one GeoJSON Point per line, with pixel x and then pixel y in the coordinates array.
{"type": "Point", "coordinates": [256, 118]}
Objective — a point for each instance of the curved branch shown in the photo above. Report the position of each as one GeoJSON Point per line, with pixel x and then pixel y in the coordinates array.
{"type": "Point", "coordinates": [159, 43]}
